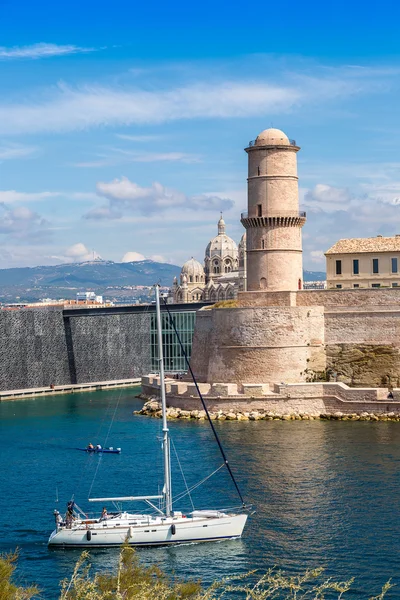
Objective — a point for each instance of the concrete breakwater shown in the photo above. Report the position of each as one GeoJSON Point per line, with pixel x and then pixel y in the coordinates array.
{"type": "Point", "coordinates": [152, 408]}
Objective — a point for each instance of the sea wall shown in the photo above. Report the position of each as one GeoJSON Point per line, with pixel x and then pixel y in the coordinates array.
{"type": "Point", "coordinates": [43, 347]}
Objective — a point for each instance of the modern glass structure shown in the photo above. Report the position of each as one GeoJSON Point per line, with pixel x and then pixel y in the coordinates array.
{"type": "Point", "coordinates": [174, 359]}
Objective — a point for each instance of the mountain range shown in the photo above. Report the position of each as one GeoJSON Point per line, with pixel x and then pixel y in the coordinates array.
{"type": "Point", "coordinates": [97, 275]}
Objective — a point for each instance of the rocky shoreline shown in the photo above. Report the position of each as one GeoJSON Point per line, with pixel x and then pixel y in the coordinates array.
{"type": "Point", "coordinates": [152, 408]}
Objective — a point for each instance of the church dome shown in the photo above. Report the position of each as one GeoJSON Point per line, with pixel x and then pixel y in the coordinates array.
{"type": "Point", "coordinates": [222, 245]}
{"type": "Point", "coordinates": [272, 137]}
{"type": "Point", "coordinates": [193, 271]}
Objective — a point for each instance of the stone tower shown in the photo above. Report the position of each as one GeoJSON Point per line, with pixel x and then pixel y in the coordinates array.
{"type": "Point", "coordinates": [273, 222]}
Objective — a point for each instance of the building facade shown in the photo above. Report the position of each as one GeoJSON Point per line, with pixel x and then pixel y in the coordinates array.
{"type": "Point", "coordinates": [221, 277]}
{"type": "Point", "coordinates": [364, 263]}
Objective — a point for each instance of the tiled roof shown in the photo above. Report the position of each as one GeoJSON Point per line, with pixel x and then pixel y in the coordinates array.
{"type": "Point", "coordinates": [375, 244]}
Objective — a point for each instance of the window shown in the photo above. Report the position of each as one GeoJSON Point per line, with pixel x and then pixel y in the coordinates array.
{"type": "Point", "coordinates": [338, 267]}
{"type": "Point", "coordinates": [356, 267]}
{"type": "Point", "coordinates": [375, 285]}
{"type": "Point", "coordinates": [375, 265]}
{"type": "Point", "coordinates": [339, 286]}
{"type": "Point", "coordinates": [259, 210]}
{"type": "Point", "coordinates": [356, 285]}
{"type": "Point", "coordinates": [395, 284]}
{"type": "Point", "coordinates": [258, 170]}
{"type": "Point", "coordinates": [394, 265]}
{"type": "Point", "coordinates": [263, 244]}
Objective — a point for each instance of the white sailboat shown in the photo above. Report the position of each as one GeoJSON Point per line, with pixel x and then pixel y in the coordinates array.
{"type": "Point", "coordinates": [166, 525]}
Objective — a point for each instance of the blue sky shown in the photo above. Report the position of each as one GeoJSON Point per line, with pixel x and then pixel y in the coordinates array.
{"type": "Point", "coordinates": [122, 125]}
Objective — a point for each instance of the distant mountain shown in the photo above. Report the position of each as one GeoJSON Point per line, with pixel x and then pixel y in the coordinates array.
{"type": "Point", "coordinates": [63, 281]}
{"type": "Point", "coordinates": [92, 274]}
{"type": "Point", "coordinates": [314, 276]}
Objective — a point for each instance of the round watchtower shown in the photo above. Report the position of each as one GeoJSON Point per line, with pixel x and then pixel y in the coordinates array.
{"type": "Point", "coordinates": [273, 222]}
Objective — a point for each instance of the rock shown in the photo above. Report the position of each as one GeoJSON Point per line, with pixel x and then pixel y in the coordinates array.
{"type": "Point", "coordinates": [184, 414]}
{"type": "Point", "coordinates": [231, 416]}
{"type": "Point", "coordinates": [221, 417]}
{"type": "Point", "coordinates": [202, 414]}
{"type": "Point", "coordinates": [337, 415]}
{"type": "Point", "coordinates": [286, 418]}
{"type": "Point", "coordinates": [194, 414]}
{"type": "Point", "coordinates": [254, 416]}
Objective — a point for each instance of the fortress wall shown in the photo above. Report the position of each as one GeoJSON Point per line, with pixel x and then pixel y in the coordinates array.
{"type": "Point", "coordinates": [33, 350]}
{"type": "Point", "coordinates": [371, 298]}
{"type": "Point", "coordinates": [254, 345]}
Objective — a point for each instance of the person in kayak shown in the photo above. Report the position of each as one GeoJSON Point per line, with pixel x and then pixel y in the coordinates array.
{"type": "Point", "coordinates": [98, 448]}
{"type": "Point", "coordinates": [90, 447]}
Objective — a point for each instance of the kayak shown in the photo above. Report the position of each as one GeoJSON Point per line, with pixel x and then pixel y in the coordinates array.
{"type": "Point", "coordinates": [102, 451]}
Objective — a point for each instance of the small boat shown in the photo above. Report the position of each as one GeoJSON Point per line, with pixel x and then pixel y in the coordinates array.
{"type": "Point", "coordinates": [95, 450]}
{"type": "Point", "coordinates": [166, 525]}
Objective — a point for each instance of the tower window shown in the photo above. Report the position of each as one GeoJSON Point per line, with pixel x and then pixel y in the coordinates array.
{"type": "Point", "coordinates": [338, 267]}
{"type": "Point", "coordinates": [356, 267]}
{"type": "Point", "coordinates": [258, 170]}
{"type": "Point", "coordinates": [263, 244]}
{"type": "Point", "coordinates": [394, 265]}
{"type": "Point", "coordinates": [375, 265]}
{"type": "Point", "coordinates": [259, 210]}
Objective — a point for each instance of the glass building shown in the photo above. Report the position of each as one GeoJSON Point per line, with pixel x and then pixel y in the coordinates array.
{"type": "Point", "coordinates": [174, 359]}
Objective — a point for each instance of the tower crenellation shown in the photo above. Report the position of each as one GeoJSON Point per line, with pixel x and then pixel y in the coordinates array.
{"type": "Point", "coordinates": [273, 222]}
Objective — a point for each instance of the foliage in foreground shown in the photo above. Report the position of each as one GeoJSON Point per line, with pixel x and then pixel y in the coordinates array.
{"type": "Point", "coordinates": [133, 581]}
{"type": "Point", "coordinates": [9, 591]}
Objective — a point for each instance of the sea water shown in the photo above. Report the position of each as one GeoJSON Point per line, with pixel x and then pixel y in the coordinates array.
{"type": "Point", "coordinates": [325, 493]}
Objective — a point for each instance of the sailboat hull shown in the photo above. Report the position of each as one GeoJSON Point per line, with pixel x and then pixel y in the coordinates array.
{"type": "Point", "coordinates": [182, 531]}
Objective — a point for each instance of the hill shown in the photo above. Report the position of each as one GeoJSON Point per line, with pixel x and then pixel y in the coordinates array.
{"type": "Point", "coordinates": [112, 280]}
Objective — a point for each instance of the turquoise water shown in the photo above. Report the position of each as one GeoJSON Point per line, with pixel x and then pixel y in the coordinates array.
{"type": "Point", "coordinates": [326, 493]}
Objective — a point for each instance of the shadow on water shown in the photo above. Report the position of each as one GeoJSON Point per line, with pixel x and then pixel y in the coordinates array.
{"type": "Point", "coordinates": [325, 492]}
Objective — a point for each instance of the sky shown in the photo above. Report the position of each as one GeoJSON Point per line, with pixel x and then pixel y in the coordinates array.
{"type": "Point", "coordinates": [123, 124]}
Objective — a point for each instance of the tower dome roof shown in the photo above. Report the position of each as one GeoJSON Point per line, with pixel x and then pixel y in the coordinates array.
{"type": "Point", "coordinates": [272, 137]}
{"type": "Point", "coordinates": [192, 268]}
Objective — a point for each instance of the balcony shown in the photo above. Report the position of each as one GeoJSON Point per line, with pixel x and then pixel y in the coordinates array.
{"type": "Point", "coordinates": [283, 218]}
{"type": "Point", "coordinates": [253, 143]}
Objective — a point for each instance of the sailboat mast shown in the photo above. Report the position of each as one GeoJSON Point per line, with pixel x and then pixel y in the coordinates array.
{"type": "Point", "coordinates": [165, 444]}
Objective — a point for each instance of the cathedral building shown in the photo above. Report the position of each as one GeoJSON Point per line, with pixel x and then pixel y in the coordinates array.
{"type": "Point", "coordinates": [223, 274]}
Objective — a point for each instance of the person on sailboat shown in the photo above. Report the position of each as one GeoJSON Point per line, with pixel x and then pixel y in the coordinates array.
{"type": "Point", "coordinates": [69, 517]}
{"type": "Point", "coordinates": [104, 514]}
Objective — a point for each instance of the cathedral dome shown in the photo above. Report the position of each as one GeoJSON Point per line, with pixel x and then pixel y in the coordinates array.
{"type": "Point", "coordinates": [272, 137]}
{"type": "Point", "coordinates": [222, 245]}
{"type": "Point", "coordinates": [193, 271]}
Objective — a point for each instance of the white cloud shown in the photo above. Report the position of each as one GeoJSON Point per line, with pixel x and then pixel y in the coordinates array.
{"type": "Point", "coordinates": [22, 223]}
{"type": "Point", "coordinates": [13, 151]}
{"type": "Point", "coordinates": [159, 258]}
{"type": "Point", "coordinates": [14, 196]}
{"type": "Point", "coordinates": [132, 257]}
{"type": "Point", "coordinates": [327, 198]}
{"type": "Point", "coordinates": [125, 195]}
{"type": "Point", "coordinates": [138, 138]}
{"type": "Point", "coordinates": [79, 253]}
{"type": "Point", "coordinates": [317, 256]}
{"type": "Point", "coordinates": [122, 157]}
{"type": "Point", "coordinates": [39, 51]}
